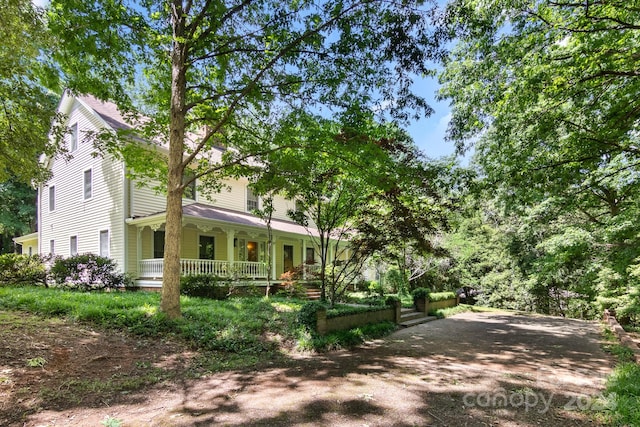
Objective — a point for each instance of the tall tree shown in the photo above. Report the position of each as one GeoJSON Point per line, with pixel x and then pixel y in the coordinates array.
{"type": "Point", "coordinates": [27, 106]}
{"type": "Point", "coordinates": [547, 92]}
{"type": "Point", "coordinates": [331, 169]}
{"type": "Point", "coordinates": [228, 69]}
{"type": "Point", "coordinates": [17, 212]}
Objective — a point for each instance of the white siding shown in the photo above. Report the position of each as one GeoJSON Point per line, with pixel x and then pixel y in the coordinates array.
{"type": "Point", "coordinates": [74, 215]}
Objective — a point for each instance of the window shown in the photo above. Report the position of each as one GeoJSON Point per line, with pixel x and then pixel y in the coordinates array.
{"type": "Point", "coordinates": [207, 247]}
{"type": "Point", "coordinates": [30, 250]}
{"type": "Point", "coordinates": [310, 256]}
{"type": "Point", "coordinates": [88, 184]}
{"type": "Point", "coordinates": [73, 138]}
{"type": "Point", "coordinates": [252, 200]}
{"type": "Point", "coordinates": [73, 245]}
{"type": "Point", "coordinates": [104, 243]}
{"type": "Point", "coordinates": [52, 198]}
{"type": "Point", "coordinates": [52, 247]}
{"type": "Point", "coordinates": [158, 244]}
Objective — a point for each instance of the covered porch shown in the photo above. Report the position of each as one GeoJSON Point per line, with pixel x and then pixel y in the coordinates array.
{"type": "Point", "coordinates": [221, 243]}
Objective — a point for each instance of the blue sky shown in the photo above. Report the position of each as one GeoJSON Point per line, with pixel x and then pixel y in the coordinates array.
{"type": "Point", "coordinates": [428, 133]}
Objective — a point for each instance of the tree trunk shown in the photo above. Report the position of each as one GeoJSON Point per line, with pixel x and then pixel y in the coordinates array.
{"type": "Point", "coordinates": [170, 302]}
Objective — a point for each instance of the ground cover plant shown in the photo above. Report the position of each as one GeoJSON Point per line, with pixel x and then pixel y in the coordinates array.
{"type": "Point", "coordinates": [246, 329]}
{"type": "Point", "coordinates": [621, 399]}
{"type": "Point", "coordinates": [371, 298]}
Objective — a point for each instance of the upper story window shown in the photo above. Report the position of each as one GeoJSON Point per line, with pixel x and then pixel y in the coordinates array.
{"type": "Point", "coordinates": [73, 138]}
{"type": "Point", "coordinates": [52, 198]}
{"type": "Point", "coordinates": [253, 202]}
{"type": "Point", "coordinates": [87, 186]}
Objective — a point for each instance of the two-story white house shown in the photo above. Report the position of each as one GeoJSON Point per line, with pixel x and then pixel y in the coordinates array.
{"type": "Point", "coordinates": [90, 205]}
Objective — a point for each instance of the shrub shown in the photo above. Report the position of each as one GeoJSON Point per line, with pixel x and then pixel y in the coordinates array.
{"type": "Point", "coordinates": [205, 286]}
{"type": "Point", "coordinates": [344, 339]}
{"type": "Point", "coordinates": [391, 300]}
{"type": "Point", "coordinates": [441, 296]}
{"type": "Point", "coordinates": [376, 288]}
{"type": "Point", "coordinates": [290, 287]}
{"type": "Point", "coordinates": [21, 270]}
{"type": "Point", "coordinates": [307, 315]}
{"type": "Point", "coordinates": [87, 272]}
{"type": "Point", "coordinates": [420, 293]}
{"type": "Point", "coordinates": [346, 310]}
{"type": "Point", "coordinates": [397, 282]}
{"type": "Point", "coordinates": [362, 285]}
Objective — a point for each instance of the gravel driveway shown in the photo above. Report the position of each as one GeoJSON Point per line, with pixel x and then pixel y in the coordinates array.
{"type": "Point", "coordinates": [474, 369]}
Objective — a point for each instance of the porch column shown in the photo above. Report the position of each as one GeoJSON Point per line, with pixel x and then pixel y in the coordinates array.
{"type": "Point", "coordinates": [304, 259]}
{"type": "Point", "coordinates": [231, 234]}
{"type": "Point", "coordinates": [138, 248]}
{"type": "Point", "coordinates": [273, 258]}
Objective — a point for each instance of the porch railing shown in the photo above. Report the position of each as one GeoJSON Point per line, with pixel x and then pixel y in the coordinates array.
{"type": "Point", "coordinates": [153, 268]}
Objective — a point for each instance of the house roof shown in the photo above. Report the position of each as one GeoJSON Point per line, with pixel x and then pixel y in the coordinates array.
{"type": "Point", "coordinates": [108, 111]}
{"type": "Point", "coordinates": [112, 117]}
{"type": "Point", "coordinates": [26, 238]}
{"type": "Point", "coordinates": [207, 212]}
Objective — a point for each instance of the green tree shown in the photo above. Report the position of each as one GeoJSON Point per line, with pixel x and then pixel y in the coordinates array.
{"type": "Point", "coordinates": [403, 221]}
{"type": "Point", "coordinates": [27, 106]}
{"type": "Point", "coordinates": [17, 212]}
{"type": "Point", "coordinates": [210, 73]}
{"type": "Point", "coordinates": [549, 89]}
{"type": "Point", "coordinates": [546, 92]}
{"type": "Point", "coordinates": [331, 169]}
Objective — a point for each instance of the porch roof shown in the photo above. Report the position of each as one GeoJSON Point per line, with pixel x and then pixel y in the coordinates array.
{"type": "Point", "coordinates": [200, 211]}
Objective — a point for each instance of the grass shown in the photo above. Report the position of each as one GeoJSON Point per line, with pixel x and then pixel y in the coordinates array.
{"type": "Point", "coordinates": [621, 399]}
{"type": "Point", "coordinates": [240, 331]}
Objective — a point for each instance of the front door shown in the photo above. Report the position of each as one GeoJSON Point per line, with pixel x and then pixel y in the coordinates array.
{"type": "Point", "coordinates": [207, 247]}
{"type": "Point", "coordinates": [288, 258]}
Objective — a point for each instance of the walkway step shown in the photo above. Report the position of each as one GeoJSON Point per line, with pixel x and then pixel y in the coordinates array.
{"type": "Point", "coordinates": [418, 321]}
{"type": "Point", "coordinates": [404, 317]}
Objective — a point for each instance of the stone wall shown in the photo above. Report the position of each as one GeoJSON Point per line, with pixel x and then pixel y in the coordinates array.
{"type": "Point", "coordinates": [324, 325]}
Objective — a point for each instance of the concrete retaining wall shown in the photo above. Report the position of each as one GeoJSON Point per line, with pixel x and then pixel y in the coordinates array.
{"type": "Point", "coordinates": [622, 334]}
{"type": "Point", "coordinates": [428, 306]}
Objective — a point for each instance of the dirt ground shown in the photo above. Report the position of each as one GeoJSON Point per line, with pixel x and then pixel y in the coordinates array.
{"type": "Point", "coordinates": [474, 369]}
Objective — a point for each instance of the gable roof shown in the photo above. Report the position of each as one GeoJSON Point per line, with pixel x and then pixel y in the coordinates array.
{"type": "Point", "coordinates": [108, 111]}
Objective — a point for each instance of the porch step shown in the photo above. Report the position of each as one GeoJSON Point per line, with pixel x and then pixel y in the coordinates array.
{"type": "Point", "coordinates": [410, 317]}
{"type": "Point", "coordinates": [313, 294]}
